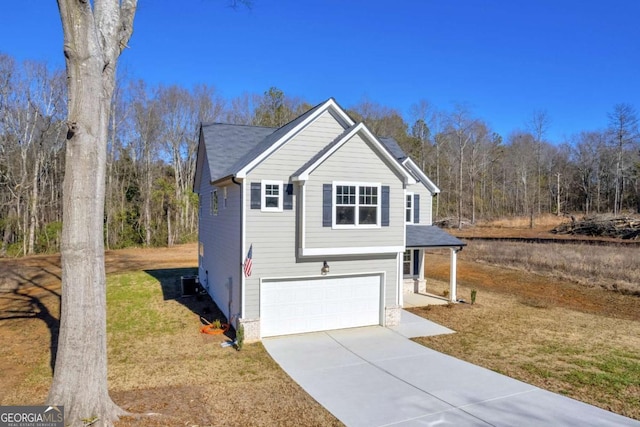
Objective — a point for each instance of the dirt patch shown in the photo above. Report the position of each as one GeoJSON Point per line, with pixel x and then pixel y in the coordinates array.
{"type": "Point", "coordinates": [191, 380]}
{"type": "Point", "coordinates": [536, 288]}
{"type": "Point", "coordinates": [173, 377]}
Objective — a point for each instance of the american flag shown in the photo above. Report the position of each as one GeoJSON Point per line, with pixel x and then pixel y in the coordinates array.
{"type": "Point", "coordinates": [248, 262]}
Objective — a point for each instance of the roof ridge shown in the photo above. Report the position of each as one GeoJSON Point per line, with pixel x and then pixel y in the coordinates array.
{"type": "Point", "coordinates": [236, 124]}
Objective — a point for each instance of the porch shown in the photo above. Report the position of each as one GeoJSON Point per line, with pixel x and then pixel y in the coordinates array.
{"type": "Point", "coordinates": [419, 240]}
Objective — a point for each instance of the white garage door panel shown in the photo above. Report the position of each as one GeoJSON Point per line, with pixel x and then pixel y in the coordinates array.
{"type": "Point", "coordinates": [298, 306]}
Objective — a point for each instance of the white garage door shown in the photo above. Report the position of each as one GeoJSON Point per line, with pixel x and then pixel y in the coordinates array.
{"type": "Point", "coordinates": [308, 305]}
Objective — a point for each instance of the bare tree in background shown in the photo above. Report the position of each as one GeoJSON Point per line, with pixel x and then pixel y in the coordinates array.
{"type": "Point", "coordinates": [95, 34]}
{"type": "Point", "coordinates": [623, 127]}
{"type": "Point", "coordinates": [460, 126]}
{"type": "Point", "coordinates": [538, 125]}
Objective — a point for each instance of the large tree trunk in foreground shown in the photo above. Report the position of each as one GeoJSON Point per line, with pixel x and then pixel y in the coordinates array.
{"type": "Point", "coordinates": [93, 40]}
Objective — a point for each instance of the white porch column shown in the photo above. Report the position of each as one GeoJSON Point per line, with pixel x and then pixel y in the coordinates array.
{"type": "Point", "coordinates": [452, 275]}
{"type": "Point", "coordinates": [421, 283]}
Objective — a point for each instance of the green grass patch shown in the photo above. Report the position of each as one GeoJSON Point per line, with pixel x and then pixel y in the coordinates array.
{"type": "Point", "coordinates": [136, 305]}
{"type": "Point", "coordinates": [615, 371]}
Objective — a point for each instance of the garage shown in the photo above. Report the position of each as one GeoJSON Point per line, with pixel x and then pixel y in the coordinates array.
{"type": "Point", "coordinates": [296, 306]}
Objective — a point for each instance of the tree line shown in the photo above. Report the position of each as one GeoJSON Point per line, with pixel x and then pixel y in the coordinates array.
{"type": "Point", "coordinates": [153, 145]}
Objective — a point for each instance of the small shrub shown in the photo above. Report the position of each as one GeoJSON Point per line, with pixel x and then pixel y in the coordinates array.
{"type": "Point", "coordinates": [445, 293]}
{"type": "Point", "coordinates": [217, 324]}
{"type": "Point", "coordinates": [240, 337]}
{"type": "Point", "coordinates": [474, 293]}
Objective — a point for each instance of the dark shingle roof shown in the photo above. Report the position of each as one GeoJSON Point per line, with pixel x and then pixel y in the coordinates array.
{"type": "Point", "coordinates": [430, 236]}
{"type": "Point", "coordinates": [227, 144]}
{"type": "Point", "coordinates": [394, 148]}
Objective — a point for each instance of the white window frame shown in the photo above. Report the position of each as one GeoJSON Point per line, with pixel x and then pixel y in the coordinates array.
{"type": "Point", "coordinates": [408, 206]}
{"type": "Point", "coordinates": [357, 205]}
{"type": "Point", "coordinates": [264, 195]}
{"type": "Point", "coordinates": [410, 261]}
{"type": "Point", "coordinates": [214, 203]}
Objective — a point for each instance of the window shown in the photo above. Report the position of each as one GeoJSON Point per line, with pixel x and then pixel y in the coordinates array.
{"type": "Point", "coordinates": [224, 197]}
{"type": "Point", "coordinates": [407, 262]}
{"type": "Point", "coordinates": [272, 196]}
{"type": "Point", "coordinates": [408, 218]}
{"type": "Point", "coordinates": [213, 208]}
{"type": "Point", "coordinates": [345, 204]}
{"type": "Point", "coordinates": [357, 205]}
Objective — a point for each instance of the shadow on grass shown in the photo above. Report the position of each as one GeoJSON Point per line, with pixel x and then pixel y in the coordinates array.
{"type": "Point", "coordinates": [201, 304]}
{"type": "Point", "coordinates": [28, 296]}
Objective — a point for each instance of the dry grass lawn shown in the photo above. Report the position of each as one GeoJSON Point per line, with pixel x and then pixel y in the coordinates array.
{"type": "Point", "coordinates": [549, 333]}
{"type": "Point", "coordinates": [562, 336]}
{"type": "Point", "coordinates": [159, 362]}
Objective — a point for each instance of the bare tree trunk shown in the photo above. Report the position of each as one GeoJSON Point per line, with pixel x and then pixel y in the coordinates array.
{"type": "Point", "coordinates": [93, 40]}
{"type": "Point", "coordinates": [169, 231]}
{"type": "Point", "coordinates": [460, 163]}
{"type": "Point", "coordinates": [558, 195]}
{"type": "Point", "coordinates": [33, 218]}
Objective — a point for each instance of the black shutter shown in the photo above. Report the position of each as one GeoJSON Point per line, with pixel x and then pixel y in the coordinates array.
{"type": "Point", "coordinates": [287, 202]}
{"type": "Point", "coordinates": [416, 208]}
{"type": "Point", "coordinates": [384, 216]}
{"type": "Point", "coordinates": [256, 195]}
{"type": "Point", "coordinates": [416, 262]}
{"type": "Point", "coordinates": [327, 204]}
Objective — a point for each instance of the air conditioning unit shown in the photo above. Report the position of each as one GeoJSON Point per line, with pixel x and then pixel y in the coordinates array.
{"type": "Point", "coordinates": [190, 286]}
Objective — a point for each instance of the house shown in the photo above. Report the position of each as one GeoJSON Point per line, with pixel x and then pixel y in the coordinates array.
{"type": "Point", "coordinates": [316, 225]}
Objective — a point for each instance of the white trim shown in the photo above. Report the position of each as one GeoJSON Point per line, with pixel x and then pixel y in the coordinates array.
{"type": "Point", "coordinates": [381, 273]}
{"type": "Point", "coordinates": [303, 216]}
{"type": "Point", "coordinates": [329, 104]}
{"type": "Point", "coordinates": [263, 195]}
{"type": "Point", "coordinates": [243, 250]}
{"type": "Point", "coordinates": [215, 203]}
{"type": "Point", "coordinates": [356, 218]}
{"type": "Point", "coordinates": [411, 210]}
{"type": "Point", "coordinates": [361, 127]}
{"type": "Point", "coordinates": [411, 165]}
{"type": "Point", "coordinates": [399, 279]}
{"type": "Point", "coordinates": [411, 274]}
{"type": "Point", "coordinates": [354, 250]}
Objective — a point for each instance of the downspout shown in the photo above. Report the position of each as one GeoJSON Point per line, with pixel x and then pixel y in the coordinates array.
{"type": "Point", "coordinates": [242, 250]}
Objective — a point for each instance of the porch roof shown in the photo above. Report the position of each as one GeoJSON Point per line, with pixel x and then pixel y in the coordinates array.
{"type": "Point", "coordinates": [430, 236]}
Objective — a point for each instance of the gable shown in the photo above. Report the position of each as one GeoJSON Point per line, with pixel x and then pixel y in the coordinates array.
{"type": "Point", "coordinates": [360, 133]}
{"type": "Point", "coordinates": [234, 150]}
{"type": "Point", "coordinates": [297, 150]}
{"type": "Point", "coordinates": [286, 133]}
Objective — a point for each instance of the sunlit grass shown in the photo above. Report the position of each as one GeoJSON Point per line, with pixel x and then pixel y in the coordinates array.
{"type": "Point", "coordinates": [588, 357]}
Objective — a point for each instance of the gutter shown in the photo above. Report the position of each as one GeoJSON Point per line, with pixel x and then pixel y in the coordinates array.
{"type": "Point", "coordinates": [242, 251]}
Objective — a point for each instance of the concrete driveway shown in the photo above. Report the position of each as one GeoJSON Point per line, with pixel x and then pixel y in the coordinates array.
{"type": "Point", "coordinates": [375, 376]}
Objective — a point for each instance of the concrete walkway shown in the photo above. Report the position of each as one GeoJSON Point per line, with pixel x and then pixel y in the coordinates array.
{"type": "Point", "coordinates": [375, 376]}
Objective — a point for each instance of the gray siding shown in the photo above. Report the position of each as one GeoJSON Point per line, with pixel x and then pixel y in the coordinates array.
{"type": "Point", "coordinates": [353, 162]}
{"type": "Point", "coordinates": [220, 237]}
{"type": "Point", "coordinates": [274, 235]}
{"type": "Point", "coordinates": [426, 202]}
{"type": "Point", "coordinates": [296, 152]}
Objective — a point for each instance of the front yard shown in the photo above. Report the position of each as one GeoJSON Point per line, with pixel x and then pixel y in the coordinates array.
{"type": "Point", "coordinates": [544, 331]}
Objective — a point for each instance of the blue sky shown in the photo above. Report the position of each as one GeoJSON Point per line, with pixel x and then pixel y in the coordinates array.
{"type": "Point", "coordinates": [505, 59]}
